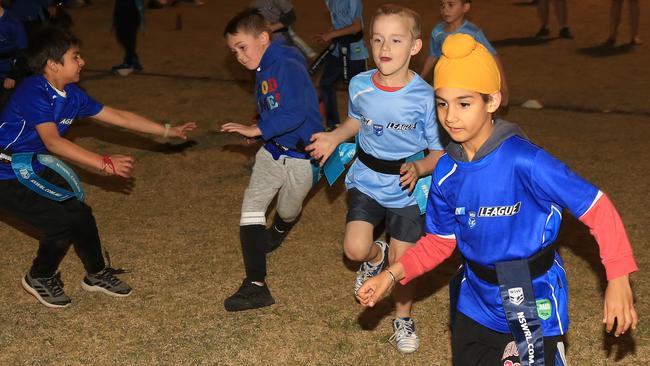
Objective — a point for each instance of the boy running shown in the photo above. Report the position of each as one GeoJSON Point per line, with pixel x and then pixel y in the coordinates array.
{"type": "Point", "coordinates": [500, 198]}
{"type": "Point", "coordinates": [391, 111]}
{"type": "Point", "coordinates": [288, 115]}
{"type": "Point", "coordinates": [36, 117]}
{"type": "Point", "coordinates": [453, 13]}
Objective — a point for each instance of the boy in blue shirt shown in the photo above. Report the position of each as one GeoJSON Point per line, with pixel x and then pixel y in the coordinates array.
{"type": "Point", "coordinates": [348, 57]}
{"type": "Point", "coordinates": [35, 118]}
{"type": "Point", "coordinates": [500, 198]}
{"type": "Point", "coordinates": [392, 113]}
{"type": "Point", "coordinates": [288, 115]}
{"type": "Point", "coordinates": [453, 13]}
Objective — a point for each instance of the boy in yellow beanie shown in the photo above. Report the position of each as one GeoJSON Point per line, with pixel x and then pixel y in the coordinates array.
{"type": "Point", "coordinates": [509, 299]}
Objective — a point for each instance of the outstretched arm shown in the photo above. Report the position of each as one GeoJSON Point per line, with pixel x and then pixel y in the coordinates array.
{"type": "Point", "coordinates": [135, 122]}
{"type": "Point", "coordinates": [121, 165]}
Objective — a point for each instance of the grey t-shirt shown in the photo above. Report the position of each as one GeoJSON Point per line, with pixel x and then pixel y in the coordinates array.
{"type": "Point", "coordinates": [272, 10]}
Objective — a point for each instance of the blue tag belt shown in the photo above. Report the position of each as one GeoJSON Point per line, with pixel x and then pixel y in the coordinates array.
{"type": "Point", "coordinates": [21, 163]}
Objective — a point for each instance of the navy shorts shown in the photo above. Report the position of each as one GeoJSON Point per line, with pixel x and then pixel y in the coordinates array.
{"type": "Point", "coordinates": [404, 224]}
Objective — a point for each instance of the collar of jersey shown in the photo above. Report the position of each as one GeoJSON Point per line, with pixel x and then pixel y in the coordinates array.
{"type": "Point", "coordinates": [396, 92]}
{"type": "Point", "coordinates": [478, 164]}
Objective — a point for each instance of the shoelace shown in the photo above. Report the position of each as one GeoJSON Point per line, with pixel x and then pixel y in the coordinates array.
{"type": "Point", "coordinates": [55, 284]}
{"type": "Point", "coordinates": [403, 329]}
{"type": "Point", "coordinates": [108, 277]}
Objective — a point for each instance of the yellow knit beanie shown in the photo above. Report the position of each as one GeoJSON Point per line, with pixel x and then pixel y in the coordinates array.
{"type": "Point", "coordinates": [466, 64]}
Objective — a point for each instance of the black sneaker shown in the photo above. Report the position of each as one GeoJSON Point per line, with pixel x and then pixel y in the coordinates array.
{"type": "Point", "coordinates": [543, 32]}
{"type": "Point", "coordinates": [48, 291]}
{"type": "Point", "coordinates": [106, 282]}
{"type": "Point", "coordinates": [249, 296]}
{"type": "Point", "coordinates": [565, 32]}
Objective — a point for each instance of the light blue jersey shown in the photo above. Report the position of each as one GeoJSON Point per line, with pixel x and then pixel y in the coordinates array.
{"type": "Point", "coordinates": [343, 13]}
{"type": "Point", "coordinates": [438, 36]}
{"type": "Point", "coordinates": [394, 125]}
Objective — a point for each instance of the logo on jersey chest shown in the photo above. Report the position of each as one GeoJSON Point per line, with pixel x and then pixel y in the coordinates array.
{"type": "Point", "coordinates": [401, 126]}
{"type": "Point", "coordinates": [66, 121]}
{"type": "Point", "coordinates": [378, 130]}
{"type": "Point", "coordinates": [496, 211]}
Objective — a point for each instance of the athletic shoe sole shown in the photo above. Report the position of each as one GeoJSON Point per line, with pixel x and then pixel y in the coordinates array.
{"type": "Point", "coordinates": [91, 288]}
{"type": "Point", "coordinates": [38, 297]}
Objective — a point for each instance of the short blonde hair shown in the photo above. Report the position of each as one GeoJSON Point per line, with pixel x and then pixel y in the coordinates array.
{"type": "Point", "coordinates": [395, 9]}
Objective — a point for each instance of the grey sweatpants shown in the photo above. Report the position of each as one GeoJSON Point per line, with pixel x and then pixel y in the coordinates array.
{"type": "Point", "coordinates": [289, 178]}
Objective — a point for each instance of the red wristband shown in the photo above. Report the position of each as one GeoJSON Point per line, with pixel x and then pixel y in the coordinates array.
{"type": "Point", "coordinates": [106, 161]}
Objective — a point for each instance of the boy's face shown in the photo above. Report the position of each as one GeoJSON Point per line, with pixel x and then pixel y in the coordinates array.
{"type": "Point", "coordinates": [453, 10]}
{"type": "Point", "coordinates": [392, 43]}
{"type": "Point", "coordinates": [248, 48]}
{"type": "Point", "coordinates": [464, 114]}
{"type": "Point", "coordinates": [69, 71]}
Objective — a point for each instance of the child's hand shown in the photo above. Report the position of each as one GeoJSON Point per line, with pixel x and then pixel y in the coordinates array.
{"type": "Point", "coordinates": [244, 130]}
{"type": "Point", "coordinates": [323, 37]}
{"type": "Point", "coordinates": [374, 288]}
{"type": "Point", "coordinates": [619, 306]}
{"type": "Point", "coordinates": [120, 165]}
{"type": "Point", "coordinates": [182, 130]}
{"type": "Point", "coordinates": [321, 147]}
{"type": "Point", "coordinates": [9, 83]}
{"type": "Point", "coordinates": [408, 176]}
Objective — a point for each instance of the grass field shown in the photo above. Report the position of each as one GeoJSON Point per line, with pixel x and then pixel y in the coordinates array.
{"type": "Point", "coordinates": [176, 226]}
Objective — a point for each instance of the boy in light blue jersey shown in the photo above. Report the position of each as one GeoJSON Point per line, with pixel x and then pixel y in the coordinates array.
{"type": "Point", "coordinates": [348, 57]}
{"type": "Point", "coordinates": [453, 13]}
{"type": "Point", "coordinates": [499, 198]}
{"type": "Point", "coordinates": [391, 111]}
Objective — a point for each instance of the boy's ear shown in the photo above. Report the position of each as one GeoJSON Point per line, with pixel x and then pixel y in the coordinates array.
{"type": "Point", "coordinates": [466, 7]}
{"type": "Point", "coordinates": [494, 102]}
{"type": "Point", "coordinates": [416, 47]}
{"type": "Point", "coordinates": [265, 37]}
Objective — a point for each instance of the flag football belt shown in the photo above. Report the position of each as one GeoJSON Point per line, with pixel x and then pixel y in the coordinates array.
{"type": "Point", "coordinates": [343, 41]}
{"type": "Point", "coordinates": [379, 165]}
{"type": "Point", "coordinates": [515, 280]}
{"type": "Point", "coordinates": [278, 150]}
{"type": "Point", "coordinates": [538, 264]}
{"type": "Point", "coordinates": [21, 163]}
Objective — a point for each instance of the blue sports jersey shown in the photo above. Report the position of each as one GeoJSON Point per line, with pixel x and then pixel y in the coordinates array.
{"type": "Point", "coordinates": [506, 206]}
{"type": "Point", "coordinates": [438, 36]}
{"type": "Point", "coordinates": [394, 125]}
{"type": "Point", "coordinates": [35, 101]}
{"type": "Point", "coordinates": [29, 10]}
{"type": "Point", "coordinates": [343, 13]}
{"type": "Point", "coordinates": [12, 39]}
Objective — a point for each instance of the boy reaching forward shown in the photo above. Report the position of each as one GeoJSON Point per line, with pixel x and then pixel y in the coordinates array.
{"type": "Point", "coordinates": [289, 115]}
{"type": "Point", "coordinates": [36, 117]}
{"type": "Point", "coordinates": [391, 110]}
{"type": "Point", "coordinates": [500, 198]}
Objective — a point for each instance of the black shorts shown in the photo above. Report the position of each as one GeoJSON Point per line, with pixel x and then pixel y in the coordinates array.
{"type": "Point", "coordinates": [404, 224]}
{"type": "Point", "coordinates": [474, 344]}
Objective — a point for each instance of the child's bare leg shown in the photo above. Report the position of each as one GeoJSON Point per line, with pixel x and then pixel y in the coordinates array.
{"type": "Point", "coordinates": [561, 11]}
{"type": "Point", "coordinates": [614, 18]}
{"type": "Point", "coordinates": [402, 295]}
{"type": "Point", "coordinates": [542, 12]}
{"type": "Point", "coordinates": [635, 13]}
{"type": "Point", "coordinates": [358, 242]}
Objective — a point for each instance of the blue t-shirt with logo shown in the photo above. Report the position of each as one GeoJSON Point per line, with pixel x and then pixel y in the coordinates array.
{"type": "Point", "coordinates": [36, 101]}
{"type": "Point", "coordinates": [343, 14]}
{"type": "Point", "coordinates": [506, 206]}
{"type": "Point", "coordinates": [438, 36]}
{"type": "Point", "coordinates": [394, 125]}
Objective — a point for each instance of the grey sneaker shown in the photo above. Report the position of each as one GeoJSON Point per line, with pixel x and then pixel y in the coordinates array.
{"type": "Point", "coordinates": [106, 282]}
{"type": "Point", "coordinates": [48, 291]}
{"type": "Point", "coordinates": [404, 337]}
{"type": "Point", "coordinates": [368, 269]}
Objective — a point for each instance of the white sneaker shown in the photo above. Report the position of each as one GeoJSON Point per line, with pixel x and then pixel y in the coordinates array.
{"type": "Point", "coordinates": [404, 337]}
{"type": "Point", "coordinates": [368, 269]}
